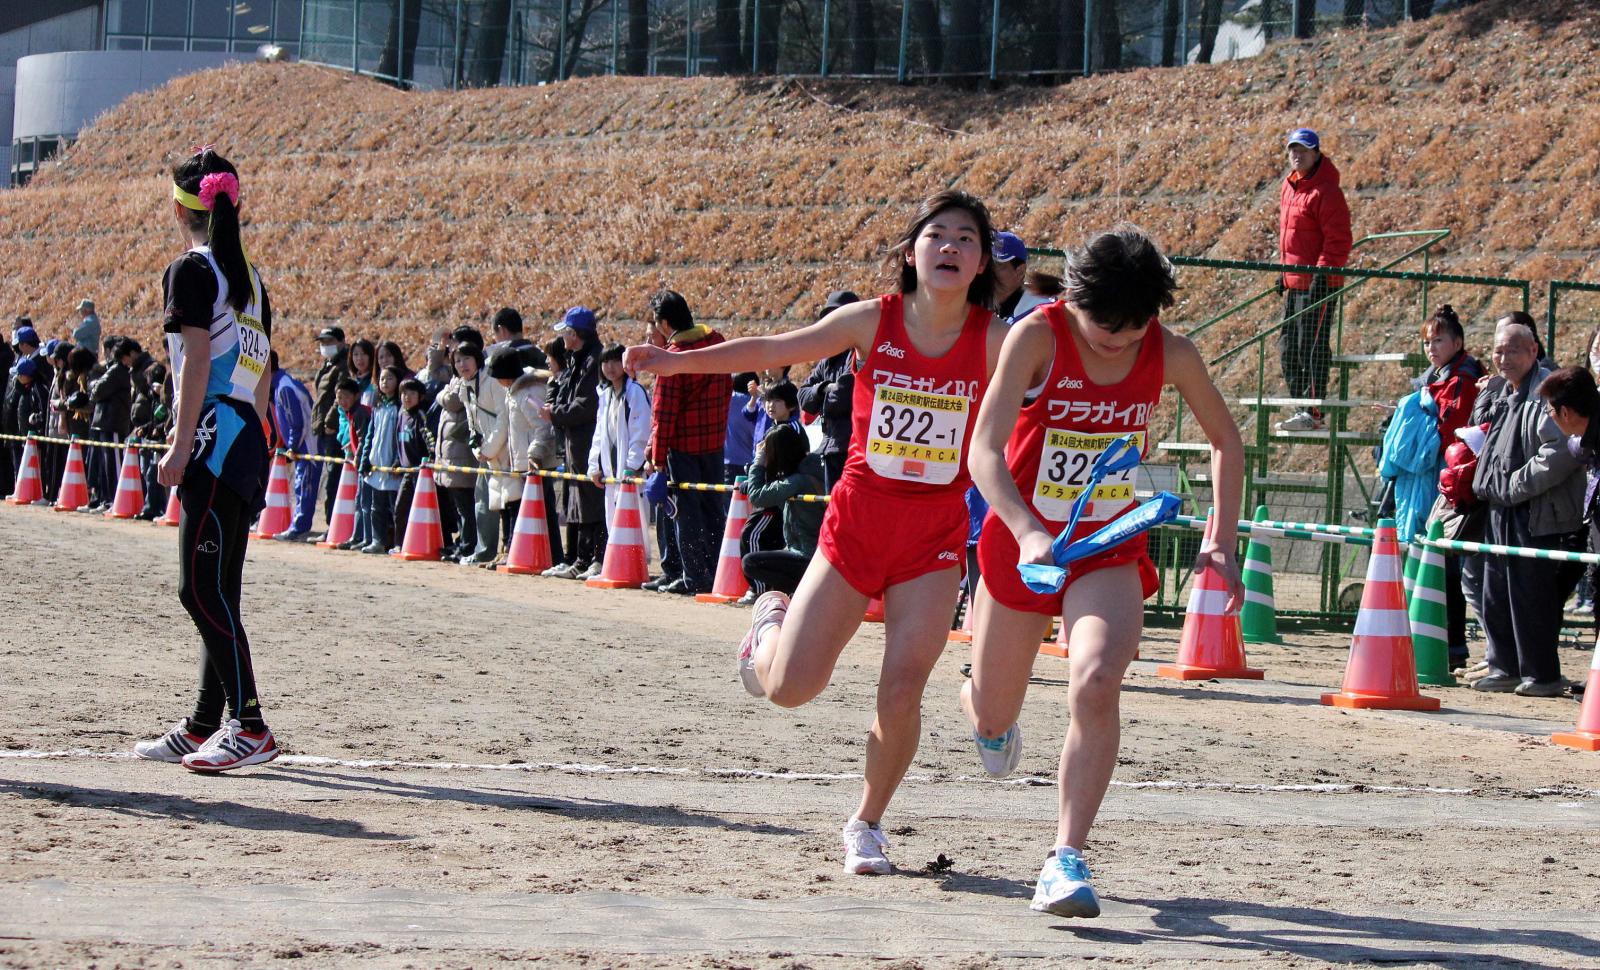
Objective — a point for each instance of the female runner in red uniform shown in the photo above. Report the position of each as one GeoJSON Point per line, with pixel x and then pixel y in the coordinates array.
{"type": "Point", "coordinates": [897, 522]}
{"type": "Point", "coordinates": [1074, 376]}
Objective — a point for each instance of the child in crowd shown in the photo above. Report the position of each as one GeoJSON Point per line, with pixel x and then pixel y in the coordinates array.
{"type": "Point", "coordinates": [26, 407]}
{"type": "Point", "coordinates": [381, 449]}
{"type": "Point", "coordinates": [783, 468]}
{"type": "Point", "coordinates": [455, 445]}
{"type": "Point", "coordinates": [362, 354]}
{"type": "Point", "coordinates": [416, 448]}
{"type": "Point", "coordinates": [623, 431]}
{"type": "Point", "coordinates": [780, 404]}
{"type": "Point", "coordinates": [354, 420]}
{"type": "Point", "coordinates": [521, 437]}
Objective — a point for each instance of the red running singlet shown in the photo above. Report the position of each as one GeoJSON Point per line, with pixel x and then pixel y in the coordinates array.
{"type": "Point", "coordinates": [912, 415]}
{"type": "Point", "coordinates": [1057, 437]}
{"type": "Point", "coordinates": [898, 511]}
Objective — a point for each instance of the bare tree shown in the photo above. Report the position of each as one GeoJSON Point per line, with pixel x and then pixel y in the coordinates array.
{"type": "Point", "coordinates": [1108, 33]}
{"type": "Point", "coordinates": [489, 44]}
{"type": "Point", "coordinates": [862, 44]}
{"type": "Point", "coordinates": [1210, 23]}
{"type": "Point", "coordinates": [966, 45]}
{"type": "Point", "coordinates": [636, 57]}
{"type": "Point", "coordinates": [399, 57]}
{"type": "Point", "coordinates": [925, 27]}
{"type": "Point", "coordinates": [1170, 15]}
{"type": "Point", "coordinates": [725, 46]}
{"type": "Point", "coordinates": [1305, 12]}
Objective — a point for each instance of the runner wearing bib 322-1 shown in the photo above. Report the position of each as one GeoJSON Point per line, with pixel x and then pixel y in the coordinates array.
{"type": "Point", "coordinates": [1058, 434]}
{"type": "Point", "coordinates": [898, 512]}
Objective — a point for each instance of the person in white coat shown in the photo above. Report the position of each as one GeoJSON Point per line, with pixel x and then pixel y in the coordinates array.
{"type": "Point", "coordinates": [521, 436]}
{"type": "Point", "coordinates": [623, 432]}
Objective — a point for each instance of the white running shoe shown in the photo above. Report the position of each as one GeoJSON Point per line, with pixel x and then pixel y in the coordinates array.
{"type": "Point", "coordinates": [863, 850]}
{"type": "Point", "coordinates": [232, 747]}
{"type": "Point", "coordinates": [769, 609]}
{"type": "Point", "coordinates": [172, 746]}
{"type": "Point", "coordinates": [1064, 889]}
{"type": "Point", "coordinates": [1000, 755]}
{"type": "Point", "coordinates": [593, 572]}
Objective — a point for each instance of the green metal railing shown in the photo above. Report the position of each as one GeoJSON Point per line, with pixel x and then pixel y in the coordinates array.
{"type": "Point", "coordinates": [1553, 295]}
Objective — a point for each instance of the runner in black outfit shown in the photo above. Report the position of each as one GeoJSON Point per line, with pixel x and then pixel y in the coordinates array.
{"type": "Point", "coordinates": [218, 325]}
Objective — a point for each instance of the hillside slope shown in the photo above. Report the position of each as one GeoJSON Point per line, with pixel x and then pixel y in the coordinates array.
{"type": "Point", "coordinates": [386, 210]}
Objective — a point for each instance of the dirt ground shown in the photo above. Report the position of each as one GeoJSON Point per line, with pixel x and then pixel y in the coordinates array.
{"type": "Point", "coordinates": [488, 769]}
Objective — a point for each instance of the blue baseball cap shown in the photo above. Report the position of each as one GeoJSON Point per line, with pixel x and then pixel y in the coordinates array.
{"type": "Point", "coordinates": [579, 318]}
{"type": "Point", "coordinates": [1009, 248]}
{"type": "Point", "coordinates": [25, 335]}
{"type": "Point", "coordinates": [27, 368]}
{"type": "Point", "coordinates": [1306, 137]}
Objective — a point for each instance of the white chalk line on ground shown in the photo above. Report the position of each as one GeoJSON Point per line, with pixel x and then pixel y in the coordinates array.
{"type": "Point", "coordinates": [576, 768]}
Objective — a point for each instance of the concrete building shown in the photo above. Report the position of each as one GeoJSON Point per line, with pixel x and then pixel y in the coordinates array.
{"type": "Point", "coordinates": [65, 62]}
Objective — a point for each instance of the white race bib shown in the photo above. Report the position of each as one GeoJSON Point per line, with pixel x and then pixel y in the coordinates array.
{"type": "Point", "coordinates": [254, 349]}
{"type": "Point", "coordinates": [1064, 464]}
{"type": "Point", "coordinates": [916, 436]}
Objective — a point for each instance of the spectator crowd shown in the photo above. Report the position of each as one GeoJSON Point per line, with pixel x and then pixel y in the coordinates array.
{"type": "Point", "coordinates": [1508, 455]}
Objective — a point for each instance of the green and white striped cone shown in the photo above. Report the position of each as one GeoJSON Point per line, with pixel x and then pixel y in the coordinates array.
{"type": "Point", "coordinates": [1429, 636]}
{"type": "Point", "coordinates": [1259, 617]}
{"type": "Point", "coordinates": [1408, 578]}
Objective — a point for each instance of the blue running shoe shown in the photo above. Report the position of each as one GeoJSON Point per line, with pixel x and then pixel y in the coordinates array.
{"type": "Point", "coordinates": [1064, 889]}
{"type": "Point", "coordinates": [1000, 755]}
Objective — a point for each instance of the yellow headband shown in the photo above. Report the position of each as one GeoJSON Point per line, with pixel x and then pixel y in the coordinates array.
{"type": "Point", "coordinates": [187, 199]}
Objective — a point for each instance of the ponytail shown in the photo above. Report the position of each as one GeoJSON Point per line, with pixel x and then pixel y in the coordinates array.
{"type": "Point", "coordinates": [207, 182]}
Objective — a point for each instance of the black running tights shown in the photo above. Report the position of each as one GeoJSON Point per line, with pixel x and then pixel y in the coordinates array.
{"type": "Point", "coordinates": [212, 531]}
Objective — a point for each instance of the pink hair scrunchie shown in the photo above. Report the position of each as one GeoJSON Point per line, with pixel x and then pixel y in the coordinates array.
{"type": "Point", "coordinates": [219, 183]}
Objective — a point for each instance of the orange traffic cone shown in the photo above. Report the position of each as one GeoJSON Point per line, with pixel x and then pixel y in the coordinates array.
{"type": "Point", "coordinates": [626, 565]}
{"type": "Point", "coordinates": [174, 509]}
{"type": "Point", "coordinates": [875, 610]}
{"type": "Point", "coordinates": [276, 516]}
{"type": "Point", "coordinates": [1382, 671]}
{"type": "Point", "coordinates": [1058, 646]}
{"type": "Point", "coordinates": [530, 542]}
{"type": "Point", "coordinates": [1586, 736]}
{"type": "Point", "coordinates": [424, 540]}
{"type": "Point", "coordinates": [730, 583]}
{"type": "Point", "coordinates": [130, 488]}
{"type": "Point", "coordinates": [30, 486]}
{"type": "Point", "coordinates": [1212, 645]}
{"type": "Point", "coordinates": [74, 493]}
{"type": "Point", "coordinates": [963, 635]}
{"type": "Point", "coordinates": [343, 524]}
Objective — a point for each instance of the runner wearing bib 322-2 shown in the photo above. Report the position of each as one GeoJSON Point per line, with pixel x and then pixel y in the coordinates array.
{"type": "Point", "coordinates": [897, 512]}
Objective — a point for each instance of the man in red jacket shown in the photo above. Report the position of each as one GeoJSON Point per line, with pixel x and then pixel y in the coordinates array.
{"type": "Point", "coordinates": [1313, 230]}
{"type": "Point", "coordinates": [690, 416]}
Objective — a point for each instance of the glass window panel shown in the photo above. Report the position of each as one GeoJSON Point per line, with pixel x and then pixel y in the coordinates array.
{"type": "Point", "coordinates": [22, 152]}
{"type": "Point", "coordinates": [169, 17]}
{"type": "Point", "coordinates": [211, 18]}
{"type": "Point", "coordinates": [166, 43]}
{"type": "Point", "coordinates": [127, 16]}
{"type": "Point", "coordinates": [125, 43]}
{"type": "Point", "coordinates": [208, 45]}
{"type": "Point", "coordinates": [288, 25]}
{"type": "Point", "coordinates": [253, 19]}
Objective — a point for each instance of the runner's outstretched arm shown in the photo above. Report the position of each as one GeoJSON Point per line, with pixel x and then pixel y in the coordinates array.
{"type": "Point", "coordinates": [848, 327]}
{"type": "Point", "coordinates": [1024, 361]}
{"type": "Point", "coordinates": [1186, 371]}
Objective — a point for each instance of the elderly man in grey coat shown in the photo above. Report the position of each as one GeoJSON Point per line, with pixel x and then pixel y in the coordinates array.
{"type": "Point", "coordinates": [1533, 488]}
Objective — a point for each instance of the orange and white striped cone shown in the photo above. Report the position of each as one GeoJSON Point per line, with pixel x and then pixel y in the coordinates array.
{"type": "Point", "coordinates": [874, 610]}
{"type": "Point", "coordinates": [424, 540]}
{"type": "Point", "coordinates": [1586, 736]}
{"type": "Point", "coordinates": [1212, 645]}
{"type": "Point", "coordinates": [74, 493]}
{"type": "Point", "coordinates": [343, 524]}
{"type": "Point", "coordinates": [730, 583]}
{"type": "Point", "coordinates": [626, 565]}
{"type": "Point", "coordinates": [1382, 672]}
{"type": "Point", "coordinates": [30, 484]}
{"type": "Point", "coordinates": [530, 542]}
{"type": "Point", "coordinates": [130, 488]}
{"type": "Point", "coordinates": [174, 509]}
{"type": "Point", "coordinates": [275, 518]}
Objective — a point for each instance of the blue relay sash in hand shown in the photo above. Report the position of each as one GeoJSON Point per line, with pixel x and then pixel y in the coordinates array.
{"type": "Point", "coordinates": [1120, 456]}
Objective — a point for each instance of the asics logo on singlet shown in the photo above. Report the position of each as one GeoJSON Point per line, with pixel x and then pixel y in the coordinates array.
{"type": "Point", "coordinates": [950, 556]}
{"type": "Point", "coordinates": [1070, 383]}
{"type": "Point", "coordinates": [891, 350]}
